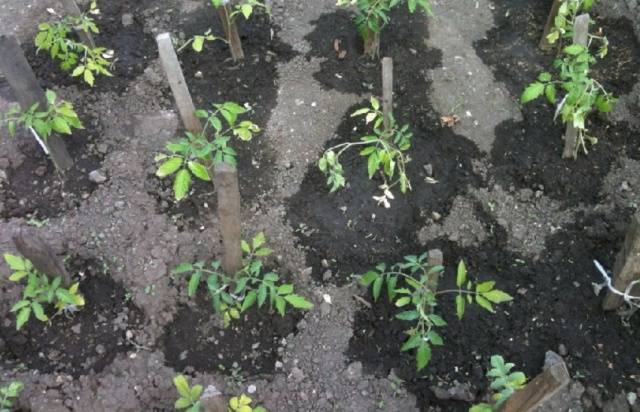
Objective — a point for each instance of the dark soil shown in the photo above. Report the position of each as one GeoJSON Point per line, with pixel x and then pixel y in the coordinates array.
{"type": "Point", "coordinates": [35, 189]}
{"type": "Point", "coordinates": [212, 77]}
{"type": "Point", "coordinates": [348, 228]}
{"type": "Point", "coordinates": [528, 154]}
{"type": "Point", "coordinates": [79, 343]}
{"type": "Point", "coordinates": [133, 51]}
{"type": "Point", "coordinates": [196, 339]}
{"type": "Point", "coordinates": [553, 304]}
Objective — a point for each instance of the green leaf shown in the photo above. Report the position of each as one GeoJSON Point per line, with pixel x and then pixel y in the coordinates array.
{"type": "Point", "coordinates": [368, 278]}
{"type": "Point", "coordinates": [182, 403]}
{"type": "Point", "coordinates": [377, 286]}
{"type": "Point", "coordinates": [88, 77]}
{"type": "Point", "coordinates": [485, 286]}
{"type": "Point", "coordinates": [544, 77]}
{"type": "Point", "coordinates": [258, 240]}
{"type": "Point", "coordinates": [405, 300]}
{"type": "Point", "coordinates": [199, 171]}
{"type": "Point", "coordinates": [372, 164]}
{"type": "Point", "coordinates": [437, 320]}
{"type": "Point", "coordinates": [280, 305]}
{"type": "Point", "coordinates": [38, 311]}
{"type": "Point", "coordinates": [19, 305]}
{"type": "Point", "coordinates": [78, 71]}
{"type": "Point", "coordinates": [411, 343]}
{"type": "Point", "coordinates": [497, 296]}
{"type": "Point", "coordinates": [298, 302]}
{"type": "Point", "coordinates": [550, 92]}
{"type": "Point", "coordinates": [435, 338]}
{"type": "Point", "coordinates": [193, 283]}
{"type": "Point", "coordinates": [462, 274]}
{"type": "Point", "coordinates": [532, 92]}
{"type": "Point", "coordinates": [15, 262]}
{"type": "Point", "coordinates": [375, 103]}
{"type": "Point", "coordinates": [285, 289]}
{"type": "Point", "coordinates": [182, 386]}
{"type": "Point", "coordinates": [423, 356]}
{"type": "Point", "coordinates": [574, 49]}
{"type": "Point", "coordinates": [60, 125]}
{"type": "Point", "coordinates": [196, 391]}
{"type": "Point", "coordinates": [198, 43]}
{"type": "Point", "coordinates": [169, 167]}
{"type": "Point", "coordinates": [182, 268]}
{"type": "Point", "coordinates": [249, 300]}
{"type": "Point", "coordinates": [181, 184]}
{"type": "Point", "coordinates": [460, 303]}
{"type": "Point", "coordinates": [484, 303]}
{"type": "Point", "coordinates": [22, 317]}
{"type": "Point", "coordinates": [262, 294]}
{"type": "Point", "coordinates": [408, 315]}
{"type": "Point", "coordinates": [246, 9]}
{"type": "Point", "coordinates": [16, 276]}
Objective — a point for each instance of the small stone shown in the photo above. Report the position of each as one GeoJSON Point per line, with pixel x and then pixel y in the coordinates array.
{"type": "Point", "coordinates": [127, 19]}
{"type": "Point", "coordinates": [562, 350]}
{"type": "Point", "coordinates": [251, 389]}
{"type": "Point", "coordinates": [102, 148]}
{"type": "Point", "coordinates": [324, 263]}
{"type": "Point", "coordinates": [296, 374]}
{"type": "Point", "coordinates": [278, 365]}
{"type": "Point", "coordinates": [354, 372]}
{"type": "Point", "coordinates": [76, 328]}
{"type": "Point", "coordinates": [428, 169]}
{"type": "Point", "coordinates": [325, 308]}
{"type": "Point", "coordinates": [327, 275]}
{"type": "Point", "coordinates": [40, 171]}
{"type": "Point", "coordinates": [96, 176]}
{"type": "Point", "coordinates": [100, 349]}
{"type": "Point", "coordinates": [198, 75]}
{"type": "Point", "coordinates": [302, 325]}
{"type": "Point", "coordinates": [436, 216]}
{"type": "Point", "coordinates": [119, 204]}
{"type": "Point", "coordinates": [625, 186]}
{"type": "Point", "coordinates": [458, 392]}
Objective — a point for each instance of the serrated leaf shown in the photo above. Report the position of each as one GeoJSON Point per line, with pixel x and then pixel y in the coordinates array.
{"type": "Point", "coordinates": [377, 286]}
{"type": "Point", "coordinates": [485, 286]}
{"type": "Point", "coordinates": [497, 296]}
{"type": "Point", "coordinates": [15, 262]}
{"type": "Point", "coordinates": [368, 278]}
{"type": "Point", "coordinates": [423, 356]}
{"type": "Point", "coordinates": [411, 343]}
{"type": "Point", "coordinates": [484, 303]}
{"type": "Point", "coordinates": [405, 300]}
{"type": "Point", "coordinates": [16, 276]}
{"type": "Point", "coordinates": [169, 167]}
{"type": "Point", "coordinates": [23, 316]}
{"type": "Point", "coordinates": [435, 338]}
{"type": "Point", "coordinates": [461, 274]}
{"type": "Point", "coordinates": [199, 171]}
{"type": "Point", "coordinates": [298, 301]}
{"type": "Point", "coordinates": [408, 315]}
{"type": "Point", "coordinates": [38, 311]}
{"type": "Point", "coordinates": [460, 303]}
{"type": "Point", "coordinates": [532, 92]}
{"type": "Point", "coordinates": [437, 320]}
{"type": "Point", "coordinates": [281, 305]}
{"type": "Point", "coordinates": [249, 300]}
{"type": "Point", "coordinates": [193, 283]}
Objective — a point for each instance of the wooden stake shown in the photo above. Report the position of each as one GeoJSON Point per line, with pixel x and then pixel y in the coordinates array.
{"type": "Point", "coordinates": [580, 36]}
{"type": "Point", "coordinates": [212, 400]}
{"type": "Point", "coordinates": [44, 259]}
{"type": "Point", "coordinates": [24, 84]}
{"type": "Point", "coordinates": [627, 266]}
{"type": "Point", "coordinates": [539, 390]}
{"type": "Point", "coordinates": [544, 43]}
{"type": "Point", "coordinates": [372, 43]}
{"type": "Point", "coordinates": [387, 91]}
{"type": "Point", "coordinates": [178, 84]}
{"type": "Point", "coordinates": [434, 258]}
{"type": "Point", "coordinates": [231, 31]}
{"type": "Point", "coordinates": [72, 9]}
{"type": "Point", "coordinates": [226, 178]}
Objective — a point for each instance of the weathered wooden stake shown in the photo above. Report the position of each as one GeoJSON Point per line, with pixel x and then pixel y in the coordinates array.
{"type": "Point", "coordinates": [580, 36]}
{"type": "Point", "coordinates": [539, 390]}
{"type": "Point", "coordinates": [544, 43]}
{"type": "Point", "coordinates": [178, 84]}
{"type": "Point", "coordinates": [387, 91]}
{"type": "Point", "coordinates": [226, 178]}
{"type": "Point", "coordinates": [24, 84]}
{"type": "Point", "coordinates": [627, 266]}
{"type": "Point", "coordinates": [72, 9]}
{"type": "Point", "coordinates": [372, 43]}
{"type": "Point", "coordinates": [231, 31]}
{"type": "Point", "coordinates": [212, 400]}
{"type": "Point", "coordinates": [434, 258]}
{"type": "Point", "coordinates": [32, 247]}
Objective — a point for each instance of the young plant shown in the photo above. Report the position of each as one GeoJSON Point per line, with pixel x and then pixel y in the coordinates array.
{"type": "Point", "coordinates": [229, 12]}
{"type": "Point", "coordinates": [84, 60]}
{"type": "Point", "coordinates": [242, 403]}
{"type": "Point", "coordinates": [503, 383]}
{"type": "Point", "coordinates": [58, 116]}
{"type": "Point", "coordinates": [40, 290]}
{"type": "Point", "coordinates": [384, 149]}
{"type": "Point", "coordinates": [411, 285]}
{"type": "Point", "coordinates": [232, 296]}
{"type": "Point", "coordinates": [565, 19]}
{"type": "Point", "coordinates": [582, 94]}
{"type": "Point", "coordinates": [194, 154]}
{"type": "Point", "coordinates": [189, 396]}
{"type": "Point", "coordinates": [373, 15]}
{"type": "Point", "coordinates": [7, 393]}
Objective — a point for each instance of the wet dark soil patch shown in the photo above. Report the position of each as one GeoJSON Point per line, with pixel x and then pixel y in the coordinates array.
{"type": "Point", "coordinates": [402, 40]}
{"type": "Point", "coordinates": [213, 78]}
{"type": "Point", "coordinates": [195, 338]}
{"type": "Point", "coordinates": [33, 188]}
{"type": "Point", "coordinates": [83, 342]}
{"type": "Point", "coordinates": [528, 154]}
{"type": "Point", "coordinates": [348, 228]}
{"type": "Point", "coordinates": [553, 304]}
{"type": "Point", "coordinates": [133, 50]}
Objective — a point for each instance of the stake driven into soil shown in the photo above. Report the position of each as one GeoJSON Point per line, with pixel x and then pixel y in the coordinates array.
{"type": "Point", "coordinates": [72, 9]}
{"type": "Point", "coordinates": [387, 91]}
{"type": "Point", "coordinates": [23, 82]}
{"type": "Point", "coordinates": [226, 178]}
{"type": "Point", "coordinates": [541, 388]}
{"type": "Point", "coordinates": [581, 37]}
{"type": "Point", "coordinates": [231, 31]}
{"type": "Point", "coordinates": [544, 42]}
{"type": "Point", "coordinates": [627, 265]}
{"type": "Point", "coordinates": [41, 255]}
{"type": "Point", "coordinates": [178, 84]}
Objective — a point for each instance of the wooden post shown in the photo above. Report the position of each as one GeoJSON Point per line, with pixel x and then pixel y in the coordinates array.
{"type": "Point", "coordinates": [24, 84]}
{"type": "Point", "coordinates": [387, 91]}
{"type": "Point", "coordinates": [434, 258]}
{"type": "Point", "coordinates": [41, 255]}
{"type": "Point", "coordinates": [72, 9]}
{"type": "Point", "coordinates": [372, 43]}
{"type": "Point", "coordinates": [539, 390]}
{"type": "Point", "coordinates": [231, 31]}
{"type": "Point", "coordinates": [627, 266]}
{"type": "Point", "coordinates": [179, 88]}
{"type": "Point", "coordinates": [544, 43]}
{"type": "Point", "coordinates": [580, 36]}
{"type": "Point", "coordinates": [212, 400]}
{"type": "Point", "coordinates": [226, 178]}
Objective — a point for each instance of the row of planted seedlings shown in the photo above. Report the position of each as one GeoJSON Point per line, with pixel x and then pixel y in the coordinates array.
{"type": "Point", "coordinates": [240, 280]}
